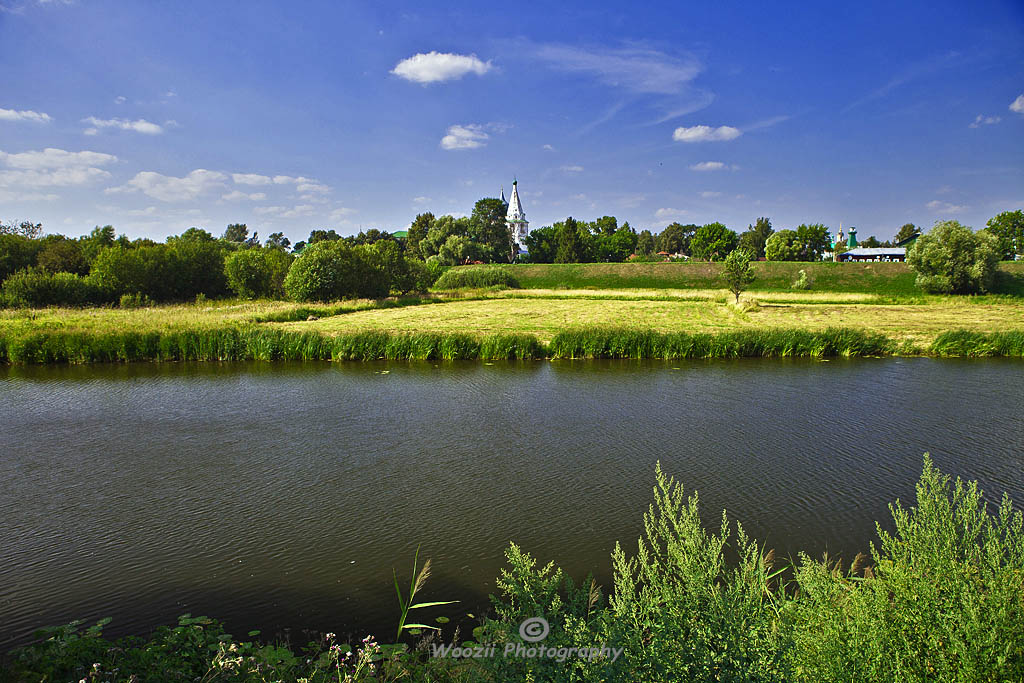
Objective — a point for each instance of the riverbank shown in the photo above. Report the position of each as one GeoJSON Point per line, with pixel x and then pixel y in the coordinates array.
{"type": "Point", "coordinates": [523, 323]}
{"type": "Point", "coordinates": [937, 599]}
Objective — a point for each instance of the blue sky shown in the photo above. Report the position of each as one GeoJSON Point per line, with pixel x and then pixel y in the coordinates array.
{"type": "Point", "coordinates": [156, 117]}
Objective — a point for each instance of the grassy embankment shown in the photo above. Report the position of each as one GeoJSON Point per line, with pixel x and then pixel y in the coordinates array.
{"type": "Point", "coordinates": [685, 320]}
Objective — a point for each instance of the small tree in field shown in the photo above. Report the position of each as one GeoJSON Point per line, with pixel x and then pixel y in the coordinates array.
{"type": "Point", "coordinates": [953, 259]}
{"type": "Point", "coordinates": [737, 271]}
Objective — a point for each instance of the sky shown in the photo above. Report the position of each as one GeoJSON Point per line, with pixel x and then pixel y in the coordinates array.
{"type": "Point", "coordinates": [157, 117]}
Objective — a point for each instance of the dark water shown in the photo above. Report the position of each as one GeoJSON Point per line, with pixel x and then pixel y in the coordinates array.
{"type": "Point", "coordinates": [279, 496]}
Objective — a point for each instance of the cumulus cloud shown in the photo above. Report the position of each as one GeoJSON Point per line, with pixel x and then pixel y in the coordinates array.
{"type": "Point", "coordinates": [548, 148]}
{"type": "Point", "coordinates": [983, 120]}
{"type": "Point", "coordinates": [709, 166]}
{"type": "Point", "coordinates": [340, 213]}
{"type": "Point", "coordinates": [285, 212]}
{"type": "Point", "coordinates": [138, 126]}
{"type": "Point", "coordinates": [53, 167]}
{"type": "Point", "coordinates": [469, 136]}
{"type": "Point", "coordinates": [24, 115]}
{"type": "Point", "coordinates": [946, 207]}
{"type": "Point", "coordinates": [435, 67]}
{"type": "Point", "coordinates": [669, 213]}
{"type": "Point", "coordinates": [170, 188]}
{"type": "Point", "coordinates": [1018, 104]}
{"type": "Point", "coordinates": [7, 196]}
{"type": "Point", "coordinates": [572, 169]}
{"type": "Point", "coordinates": [706, 134]}
{"type": "Point", "coordinates": [237, 195]}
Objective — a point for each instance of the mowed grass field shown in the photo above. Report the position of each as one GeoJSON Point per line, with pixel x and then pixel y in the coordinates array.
{"type": "Point", "coordinates": [547, 312]}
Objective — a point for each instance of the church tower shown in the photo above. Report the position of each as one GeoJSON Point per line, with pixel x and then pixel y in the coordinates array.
{"type": "Point", "coordinates": [515, 218]}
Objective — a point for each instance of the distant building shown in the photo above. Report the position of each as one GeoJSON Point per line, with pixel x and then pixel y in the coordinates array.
{"type": "Point", "coordinates": [897, 254]}
{"type": "Point", "coordinates": [515, 218]}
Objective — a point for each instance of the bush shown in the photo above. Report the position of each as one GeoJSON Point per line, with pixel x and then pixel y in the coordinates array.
{"type": "Point", "coordinates": [953, 259]}
{"type": "Point", "coordinates": [331, 270]}
{"type": "Point", "coordinates": [257, 273]}
{"type": "Point", "coordinates": [35, 289]}
{"type": "Point", "coordinates": [198, 269]}
{"type": "Point", "coordinates": [802, 282]}
{"type": "Point", "coordinates": [17, 253]}
{"type": "Point", "coordinates": [475, 277]}
{"type": "Point", "coordinates": [148, 270]}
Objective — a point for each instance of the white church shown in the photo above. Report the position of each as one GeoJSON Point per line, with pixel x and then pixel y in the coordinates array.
{"type": "Point", "coordinates": [515, 218]}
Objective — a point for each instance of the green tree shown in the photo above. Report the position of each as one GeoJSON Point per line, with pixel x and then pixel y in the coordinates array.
{"type": "Point", "coordinates": [149, 271]}
{"type": "Point", "coordinates": [783, 245]}
{"type": "Point", "coordinates": [236, 232]}
{"type": "Point", "coordinates": [754, 237]}
{"type": "Point", "coordinates": [488, 228]}
{"type": "Point", "coordinates": [460, 250]}
{"type": "Point", "coordinates": [331, 270]}
{"type": "Point", "coordinates": [62, 255]}
{"type": "Point", "coordinates": [675, 238]}
{"type": "Point", "coordinates": [736, 271]}
{"type": "Point", "coordinates": [193, 235]}
{"type": "Point", "coordinates": [418, 229]}
{"type": "Point", "coordinates": [198, 268]}
{"type": "Point", "coordinates": [277, 240]}
{"type": "Point", "coordinates": [953, 259]}
{"type": "Point", "coordinates": [713, 242]}
{"type": "Point", "coordinates": [97, 240]}
{"type": "Point", "coordinates": [906, 232]}
{"type": "Point", "coordinates": [443, 228]}
{"type": "Point", "coordinates": [645, 243]}
{"type": "Point", "coordinates": [258, 273]}
{"type": "Point", "coordinates": [616, 247]}
{"type": "Point", "coordinates": [321, 235]}
{"type": "Point", "coordinates": [542, 243]}
{"type": "Point", "coordinates": [814, 241]}
{"type": "Point", "coordinates": [1008, 229]}
{"type": "Point", "coordinates": [571, 247]}
{"type": "Point", "coordinates": [26, 229]}
{"type": "Point", "coordinates": [870, 242]}
{"type": "Point", "coordinates": [17, 253]}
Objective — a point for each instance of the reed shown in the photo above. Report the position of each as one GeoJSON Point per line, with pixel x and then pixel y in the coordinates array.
{"type": "Point", "coordinates": [627, 343]}
{"type": "Point", "coordinates": [975, 344]}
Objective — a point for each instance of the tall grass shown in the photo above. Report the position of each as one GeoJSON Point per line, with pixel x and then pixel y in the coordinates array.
{"type": "Point", "coordinates": [973, 344]}
{"type": "Point", "coordinates": [476, 277]}
{"type": "Point", "coordinates": [270, 344]}
{"type": "Point", "coordinates": [624, 343]}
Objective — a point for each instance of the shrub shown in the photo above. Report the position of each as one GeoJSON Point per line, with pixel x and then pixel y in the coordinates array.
{"type": "Point", "coordinates": [802, 282]}
{"type": "Point", "coordinates": [17, 253]}
{"type": "Point", "coordinates": [737, 272]}
{"type": "Point", "coordinates": [35, 289]}
{"type": "Point", "coordinates": [331, 270]}
{"type": "Point", "coordinates": [148, 270]}
{"type": "Point", "coordinates": [198, 268]}
{"type": "Point", "coordinates": [485, 276]}
{"type": "Point", "coordinates": [257, 273]}
{"type": "Point", "coordinates": [953, 259]}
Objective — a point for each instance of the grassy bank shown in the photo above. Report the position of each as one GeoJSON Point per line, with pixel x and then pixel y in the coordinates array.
{"type": "Point", "coordinates": [271, 344]}
{"type": "Point", "coordinates": [891, 279]}
{"type": "Point", "coordinates": [937, 599]}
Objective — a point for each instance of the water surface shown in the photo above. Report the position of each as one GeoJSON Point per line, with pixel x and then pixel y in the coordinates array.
{"type": "Point", "coordinates": [280, 496]}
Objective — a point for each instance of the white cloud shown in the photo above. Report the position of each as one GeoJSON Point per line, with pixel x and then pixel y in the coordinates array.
{"type": "Point", "coordinates": [434, 67]}
{"type": "Point", "coordinates": [236, 195]}
{"type": "Point", "coordinates": [983, 120]}
{"type": "Point", "coordinates": [250, 179]}
{"type": "Point", "coordinates": [340, 213]}
{"type": "Point", "coordinates": [469, 136]}
{"type": "Point", "coordinates": [946, 207]}
{"type": "Point", "coordinates": [572, 169]}
{"type": "Point", "coordinates": [139, 126]}
{"type": "Point", "coordinates": [708, 194]}
{"type": "Point", "coordinates": [170, 188]}
{"type": "Point", "coordinates": [310, 186]}
{"type": "Point", "coordinates": [1018, 104]}
{"type": "Point", "coordinates": [669, 213]}
{"type": "Point", "coordinates": [548, 148]}
{"type": "Point", "coordinates": [285, 212]}
{"type": "Point", "coordinates": [709, 166]}
{"type": "Point", "coordinates": [55, 158]}
{"type": "Point", "coordinates": [6, 196]}
{"type": "Point", "coordinates": [53, 168]}
{"type": "Point", "coordinates": [420, 200]}
{"type": "Point", "coordinates": [637, 68]}
{"type": "Point", "coordinates": [120, 99]}
{"type": "Point", "coordinates": [24, 115]}
{"type": "Point", "coordinates": [706, 134]}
